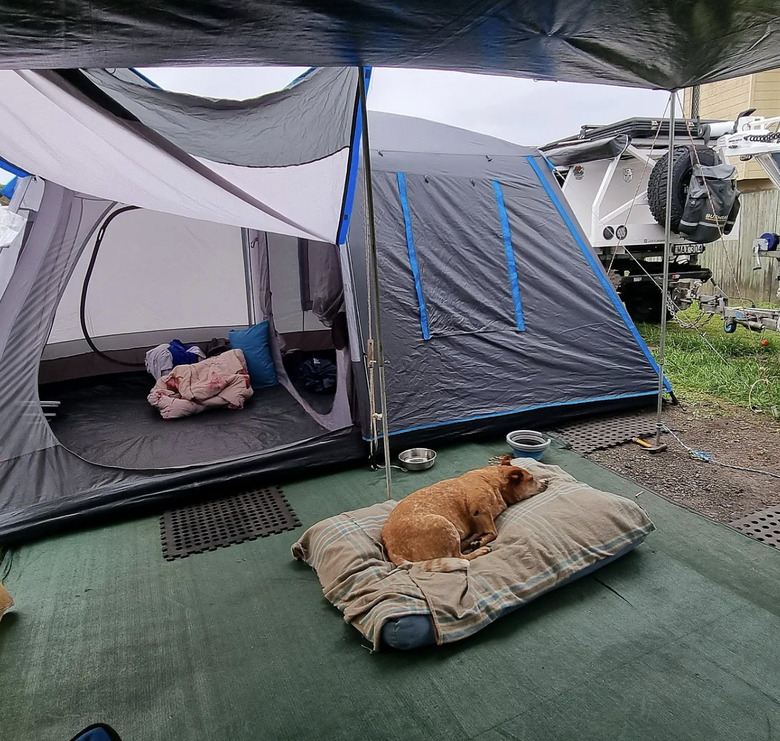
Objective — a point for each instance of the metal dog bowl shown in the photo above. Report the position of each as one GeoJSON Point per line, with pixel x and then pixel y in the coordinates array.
{"type": "Point", "coordinates": [417, 459]}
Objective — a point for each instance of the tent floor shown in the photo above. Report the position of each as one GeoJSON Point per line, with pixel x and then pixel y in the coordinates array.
{"type": "Point", "coordinates": [110, 422]}
{"type": "Point", "coordinates": [676, 640]}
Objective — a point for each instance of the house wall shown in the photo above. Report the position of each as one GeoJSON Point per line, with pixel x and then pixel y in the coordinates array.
{"type": "Point", "coordinates": [727, 99]}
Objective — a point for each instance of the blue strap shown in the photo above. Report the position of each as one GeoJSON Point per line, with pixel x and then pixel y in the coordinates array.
{"type": "Point", "coordinates": [510, 256]}
{"type": "Point", "coordinates": [597, 267]}
{"type": "Point", "coordinates": [413, 256]}
{"type": "Point", "coordinates": [354, 161]}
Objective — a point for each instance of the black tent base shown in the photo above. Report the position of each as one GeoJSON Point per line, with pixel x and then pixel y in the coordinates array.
{"type": "Point", "coordinates": [109, 421]}
{"type": "Point", "coordinates": [543, 419]}
{"type": "Point", "coordinates": [326, 453]}
{"type": "Point", "coordinates": [154, 493]}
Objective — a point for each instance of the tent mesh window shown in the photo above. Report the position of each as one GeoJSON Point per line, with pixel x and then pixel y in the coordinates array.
{"type": "Point", "coordinates": [605, 432]}
{"type": "Point", "coordinates": [224, 522]}
{"type": "Point", "coordinates": [763, 525]}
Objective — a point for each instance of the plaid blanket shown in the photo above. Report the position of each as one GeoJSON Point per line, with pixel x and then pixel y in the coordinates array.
{"type": "Point", "coordinates": [541, 543]}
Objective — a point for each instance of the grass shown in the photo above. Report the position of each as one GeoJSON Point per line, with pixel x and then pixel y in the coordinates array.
{"type": "Point", "coordinates": [739, 369]}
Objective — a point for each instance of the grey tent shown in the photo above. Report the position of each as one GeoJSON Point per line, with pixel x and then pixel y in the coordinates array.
{"type": "Point", "coordinates": [496, 313]}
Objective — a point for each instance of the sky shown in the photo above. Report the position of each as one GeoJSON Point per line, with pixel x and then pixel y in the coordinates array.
{"type": "Point", "coordinates": [518, 110]}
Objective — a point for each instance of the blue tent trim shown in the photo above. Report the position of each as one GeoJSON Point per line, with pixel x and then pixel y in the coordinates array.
{"type": "Point", "coordinates": [150, 83]}
{"type": "Point", "coordinates": [413, 255]}
{"type": "Point", "coordinates": [354, 162]}
{"type": "Point", "coordinates": [597, 267]}
{"type": "Point", "coordinates": [550, 405]}
{"type": "Point", "coordinates": [511, 265]}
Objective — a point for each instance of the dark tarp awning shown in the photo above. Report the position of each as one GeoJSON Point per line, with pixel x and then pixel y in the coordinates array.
{"type": "Point", "coordinates": [649, 43]}
{"type": "Point", "coordinates": [589, 151]}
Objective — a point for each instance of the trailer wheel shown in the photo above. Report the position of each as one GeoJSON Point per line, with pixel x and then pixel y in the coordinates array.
{"type": "Point", "coordinates": [682, 167]}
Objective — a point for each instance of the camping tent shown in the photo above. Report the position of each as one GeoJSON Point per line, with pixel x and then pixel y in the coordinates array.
{"type": "Point", "coordinates": [496, 312]}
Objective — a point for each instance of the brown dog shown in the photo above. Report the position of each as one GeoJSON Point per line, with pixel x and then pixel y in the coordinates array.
{"type": "Point", "coordinates": [442, 520]}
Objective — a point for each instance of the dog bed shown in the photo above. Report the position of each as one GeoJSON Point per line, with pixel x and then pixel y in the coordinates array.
{"type": "Point", "coordinates": [544, 542]}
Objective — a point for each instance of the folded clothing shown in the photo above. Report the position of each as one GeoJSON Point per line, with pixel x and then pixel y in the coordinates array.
{"type": "Point", "coordinates": [542, 543]}
{"type": "Point", "coordinates": [161, 360]}
{"type": "Point", "coordinates": [184, 355]}
{"type": "Point", "coordinates": [221, 381]}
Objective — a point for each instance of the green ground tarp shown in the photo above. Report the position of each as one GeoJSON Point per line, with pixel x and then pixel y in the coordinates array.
{"type": "Point", "coordinates": [678, 640]}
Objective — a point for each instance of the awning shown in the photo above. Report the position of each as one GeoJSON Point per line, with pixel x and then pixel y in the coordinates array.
{"type": "Point", "coordinates": [590, 151]}
{"type": "Point", "coordinates": [657, 43]}
{"type": "Point", "coordinates": [278, 163]}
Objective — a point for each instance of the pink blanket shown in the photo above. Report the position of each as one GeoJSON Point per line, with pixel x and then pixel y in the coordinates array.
{"type": "Point", "coordinates": [221, 381]}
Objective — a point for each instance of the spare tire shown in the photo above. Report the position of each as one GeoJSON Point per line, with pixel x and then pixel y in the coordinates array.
{"type": "Point", "coordinates": [682, 167]}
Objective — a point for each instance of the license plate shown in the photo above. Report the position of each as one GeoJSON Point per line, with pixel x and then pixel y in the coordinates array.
{"type": "Point", "coordinates": [687, 249]}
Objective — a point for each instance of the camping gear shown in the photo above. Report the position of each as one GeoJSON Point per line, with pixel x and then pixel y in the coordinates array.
{"type": "Point", "coordinates": [477, 255]}
{"type": "Point", "coordinates": [528, 443]}
{"type": "Point", "coordinates": [221, 381]}
{"type": "Point", "coordinates": [712, 203]}
{"type": "Point", "coordinates": [417, 459]}
{"type": "Point", "coordinates": [318, 375]}
{"type": "Point", "coordinates": [543, 542]}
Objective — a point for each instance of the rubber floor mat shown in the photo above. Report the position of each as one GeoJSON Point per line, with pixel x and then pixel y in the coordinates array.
{"type": "Point", "coordinates": [598, 433]}
{"type": "Point", "coordinates": [763, 525]}
{"type": "Point", "coordinates": [224, 522]}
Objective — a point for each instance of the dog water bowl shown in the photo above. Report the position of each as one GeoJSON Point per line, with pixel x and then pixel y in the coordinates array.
{"type": "Point", "coordinates": [417, 459]}
{"type": "Point", "coordinates": [528, 443]}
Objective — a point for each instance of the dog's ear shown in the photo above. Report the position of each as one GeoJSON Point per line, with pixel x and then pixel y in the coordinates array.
{"type": "Point", "coordinates": [506, 460]}
{"type": "Point", "coordinates": [518, 474]}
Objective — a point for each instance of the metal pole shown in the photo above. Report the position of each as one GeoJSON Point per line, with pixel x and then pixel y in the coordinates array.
{"type": "Point", "coordinates": [249, 281]}
{"type": "Point", "coordinates": [371, 246]}
{"type": "Point", "coordinates": [659, 446]}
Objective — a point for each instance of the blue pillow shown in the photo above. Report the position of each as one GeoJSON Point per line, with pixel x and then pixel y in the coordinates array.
{"type": "Point", "coordinates": [255, 344]}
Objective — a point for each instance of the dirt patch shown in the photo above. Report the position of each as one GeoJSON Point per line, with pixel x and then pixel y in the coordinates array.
{"type": "Point", "coordinates": [728, 433]}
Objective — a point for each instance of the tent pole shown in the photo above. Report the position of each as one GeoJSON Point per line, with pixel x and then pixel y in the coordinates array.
{"type": "Point", "coordinates": [659, 446]}
{"type": "Point", "coordinates": [249, 281]}
{"type": "Point", "coordinates": [374, 294]}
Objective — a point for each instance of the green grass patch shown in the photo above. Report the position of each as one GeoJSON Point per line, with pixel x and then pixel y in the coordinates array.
{"type": "Point", "coordinates": [710, 363]}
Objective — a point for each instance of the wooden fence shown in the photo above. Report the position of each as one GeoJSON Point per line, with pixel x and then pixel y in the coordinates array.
{"type": "Point", "coordinates": [733, 263]}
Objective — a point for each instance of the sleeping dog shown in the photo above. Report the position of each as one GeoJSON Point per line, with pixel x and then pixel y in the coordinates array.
{"type": "Point", "coordinates": [456, 515]}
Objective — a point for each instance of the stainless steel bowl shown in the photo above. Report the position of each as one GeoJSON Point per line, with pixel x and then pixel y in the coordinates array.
{"type": "Point", "coordinates": [417, 459]}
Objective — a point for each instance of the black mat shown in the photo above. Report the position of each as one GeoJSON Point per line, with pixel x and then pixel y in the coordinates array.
{"type": "Point", "coordinates": [224, 522]}
{"type": "Point", "coordinates": [112, 423]}
{"type": "Point", "coordinates": [598, 433]}
{"type": "Point", "coordinates": [763, 525]}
